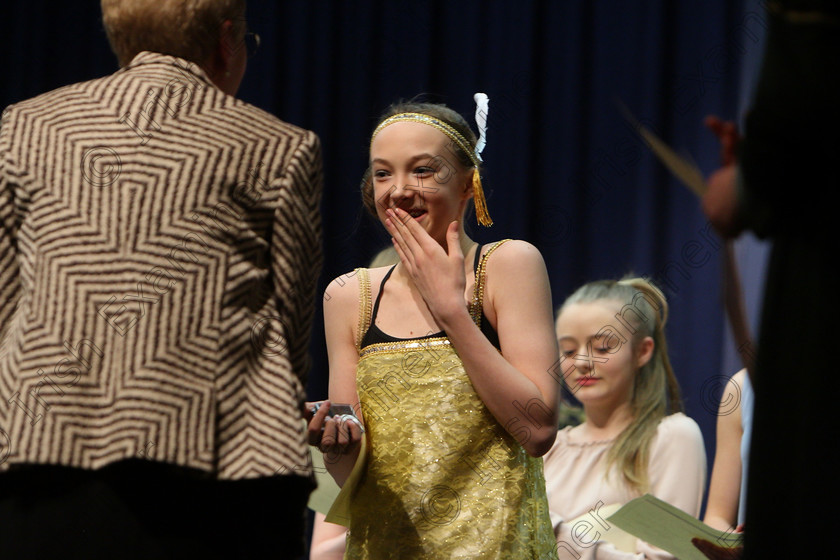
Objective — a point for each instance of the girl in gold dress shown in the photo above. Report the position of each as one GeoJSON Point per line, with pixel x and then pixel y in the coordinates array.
{"type": "Point", "coordinates": [446, 358]}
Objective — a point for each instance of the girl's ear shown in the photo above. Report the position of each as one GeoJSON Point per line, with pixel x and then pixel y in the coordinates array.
{"type": "Point", "coordinates": [469, 190]}
{"type": "Point", "coordinates": [644, 351]}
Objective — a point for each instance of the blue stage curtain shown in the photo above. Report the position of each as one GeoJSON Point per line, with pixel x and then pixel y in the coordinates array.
{"type": "Point", "coordinates": [563, 169]}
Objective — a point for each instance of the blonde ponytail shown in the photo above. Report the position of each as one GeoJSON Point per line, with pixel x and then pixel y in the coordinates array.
{"type": "Point", "coordinates": [656, 392]}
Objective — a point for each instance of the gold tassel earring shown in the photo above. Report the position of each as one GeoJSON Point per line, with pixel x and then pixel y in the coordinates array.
{"type": "Point", "coordinates": [481, 212]}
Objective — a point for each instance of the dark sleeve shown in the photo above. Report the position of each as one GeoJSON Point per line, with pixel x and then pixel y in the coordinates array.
{"type": "Point", "coordinates": [791, 132]}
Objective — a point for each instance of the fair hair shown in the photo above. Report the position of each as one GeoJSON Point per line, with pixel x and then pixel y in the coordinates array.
{"type": "Point", "coordinates": [188, 29]}
{"type": "Point", "coordinates": [656, 392]}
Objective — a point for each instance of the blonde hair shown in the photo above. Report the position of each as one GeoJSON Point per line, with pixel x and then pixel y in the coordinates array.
{"type": "Point", "coordinates": [656, 392]}
{"type": "Point", "coordinates": [188, 29]}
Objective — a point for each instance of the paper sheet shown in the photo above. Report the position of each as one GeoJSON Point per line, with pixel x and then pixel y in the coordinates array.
{"type": "Point", "coordinates": [322, 498]}
{"type": "Point", "coordinates": [339, 513]}
{"type": "Point", "coordinates": [682, 168]}
{"type": "Point", "coordinates": [671, 529]}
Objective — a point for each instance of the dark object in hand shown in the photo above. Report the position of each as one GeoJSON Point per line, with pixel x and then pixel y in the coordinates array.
{"type": "Point", "coordinates": [335, 409]}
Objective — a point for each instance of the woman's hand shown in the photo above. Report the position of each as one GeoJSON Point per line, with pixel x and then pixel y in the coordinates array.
{"type": "Point", "coordinates": [717, 552]}
{"type": "Point", "coordinates": [720, 203]}
{"type": "Point", "coordinates": [333, 435]}
{"type": "Point", "coordinates": [727, 134]}
{"type": "Point", "coordinates": [438, 275]}
{"type": "Point", "coordinates": [316, 420]}
{"type": "Point", "coordinates": [342, 436]}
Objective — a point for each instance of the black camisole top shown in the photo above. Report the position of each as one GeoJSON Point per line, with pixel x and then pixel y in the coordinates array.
{"type": "Point", "coordinates": [375, 335]}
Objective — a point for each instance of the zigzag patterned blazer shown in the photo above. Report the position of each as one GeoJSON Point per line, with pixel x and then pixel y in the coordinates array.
{"type": "Point", "coordinates": [160, 245]}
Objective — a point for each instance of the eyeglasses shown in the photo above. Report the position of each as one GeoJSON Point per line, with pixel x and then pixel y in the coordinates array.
{"type": "Point", "coordinates": [252, 43]}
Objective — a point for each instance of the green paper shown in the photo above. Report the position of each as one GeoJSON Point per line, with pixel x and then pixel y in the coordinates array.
{"type": "Point", "coordinates": [681, 167]}
{"type": "Point", "coordinates": [322, 498]}
{"type": "Point", "coordinates": [670, 528]}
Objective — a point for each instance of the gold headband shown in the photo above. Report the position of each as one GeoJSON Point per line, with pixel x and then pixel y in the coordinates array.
{"type": "Point", "coordinates": [478, 192]}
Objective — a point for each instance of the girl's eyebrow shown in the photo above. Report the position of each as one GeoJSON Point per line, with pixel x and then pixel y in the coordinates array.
{"type": "Point", "coordinates": [588, 338]}
{"type": "Point", "coordinates": [413, 159]}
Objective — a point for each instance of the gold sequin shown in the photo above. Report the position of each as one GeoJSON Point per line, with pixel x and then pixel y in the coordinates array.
{"type": "Point", "coordinates": [480, 278]}
{"type": "Point", "coordinates": [444, 479]}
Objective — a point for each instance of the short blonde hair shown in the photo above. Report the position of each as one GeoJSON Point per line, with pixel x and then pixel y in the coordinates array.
{"type": "Point", "coordinates": [187, 29]}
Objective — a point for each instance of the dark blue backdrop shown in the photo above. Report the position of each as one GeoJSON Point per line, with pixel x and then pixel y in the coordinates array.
{"type": "Point", "coordinates": [563, 169]}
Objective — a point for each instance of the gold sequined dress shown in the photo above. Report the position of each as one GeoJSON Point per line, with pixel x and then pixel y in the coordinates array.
{"type": "Point", "coordinates": [443, 478]}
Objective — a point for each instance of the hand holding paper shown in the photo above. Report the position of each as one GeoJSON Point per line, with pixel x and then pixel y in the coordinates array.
{"type": "Point", "coordinates": [670, 528]}
{"type": "Point", "coordinates": [716, 552]}
{"type": "Point", "coordinates": [720, 205]}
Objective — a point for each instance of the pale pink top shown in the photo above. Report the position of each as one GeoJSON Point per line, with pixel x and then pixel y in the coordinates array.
{"type": "Point", "coordinates": [575, 483]}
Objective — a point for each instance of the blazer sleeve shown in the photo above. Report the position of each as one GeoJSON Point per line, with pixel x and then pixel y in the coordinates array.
{"type": "Point", "coordinates": [9, 267]}
{"type": "Point", "coordinates": [10, 286]}
{"type": "Point", "coordinates": [296, 252]}
{"type": "Point", "coordinates": [786, 159]}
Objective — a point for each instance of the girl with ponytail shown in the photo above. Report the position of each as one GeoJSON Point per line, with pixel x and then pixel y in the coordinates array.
{"type": "Point", "coordinates": [635, 438]}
